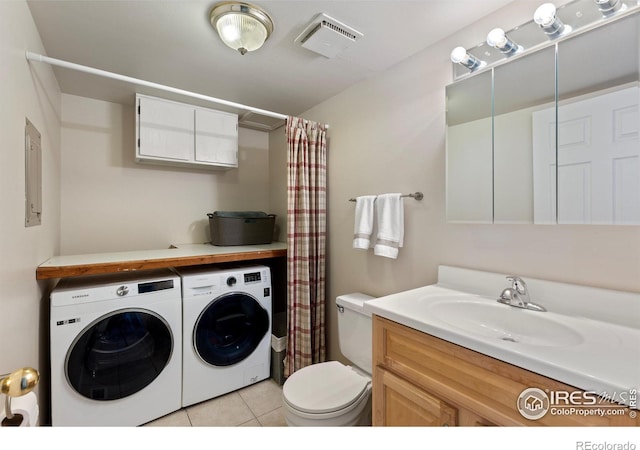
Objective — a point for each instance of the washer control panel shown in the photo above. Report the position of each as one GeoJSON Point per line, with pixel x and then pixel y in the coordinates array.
{"type": "Point", "coordinates": [73, 291]}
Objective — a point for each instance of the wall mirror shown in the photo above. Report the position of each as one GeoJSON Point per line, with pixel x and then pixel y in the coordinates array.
{"type": "Point", "coordinates": [469, 155]}
{"type": "Point", "coordinates": [569, 155]}
{"type": "Point", "coordinates": [598, 151]}
{"type": "Point", "coordinates": [521, 88]}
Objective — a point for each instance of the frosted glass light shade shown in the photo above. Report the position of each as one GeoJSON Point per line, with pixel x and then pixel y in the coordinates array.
{"type": "Point", "coordinates": [241, 26]}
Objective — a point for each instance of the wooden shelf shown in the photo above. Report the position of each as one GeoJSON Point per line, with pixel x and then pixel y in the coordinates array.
{"type": "Point", "coordinates": [176, 256]}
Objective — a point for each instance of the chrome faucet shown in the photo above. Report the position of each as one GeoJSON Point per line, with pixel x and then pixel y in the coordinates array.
{"type": "Point", "coordinates": [518, 295]}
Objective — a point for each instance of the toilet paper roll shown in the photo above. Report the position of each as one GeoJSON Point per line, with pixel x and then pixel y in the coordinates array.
{"type": "Point", "coordinates": [26, 406]}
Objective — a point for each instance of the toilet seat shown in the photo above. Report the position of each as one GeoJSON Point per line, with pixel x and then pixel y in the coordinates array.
{"type": "Point", "coordinates": [325, 388]}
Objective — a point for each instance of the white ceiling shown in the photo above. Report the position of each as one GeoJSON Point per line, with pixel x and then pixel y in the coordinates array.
{"type": "Point", "coordinates": [171, 42]}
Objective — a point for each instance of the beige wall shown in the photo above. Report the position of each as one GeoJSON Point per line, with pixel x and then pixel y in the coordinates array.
{"type": "Point", "coordinates": [111, 203]}
{"type": "Point", "coordinates": [26, 90]}
{"type": "Point", "coordinates": [388, 135]}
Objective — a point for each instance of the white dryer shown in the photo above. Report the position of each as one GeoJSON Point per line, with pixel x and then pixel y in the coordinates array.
{"type": "Point", "coordinates": [227, 330]}
{"type": "Point", "coordinates": [116, 349]}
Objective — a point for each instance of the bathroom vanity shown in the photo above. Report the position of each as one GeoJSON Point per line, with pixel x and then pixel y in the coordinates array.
{"type": "Point", "coordinates": [451, 355]}
{"type": "Point", "coordinates": [420, 380]}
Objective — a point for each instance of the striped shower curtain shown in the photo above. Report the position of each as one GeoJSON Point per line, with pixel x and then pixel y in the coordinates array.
{"type": "Point", "coordinates": [306, 242]}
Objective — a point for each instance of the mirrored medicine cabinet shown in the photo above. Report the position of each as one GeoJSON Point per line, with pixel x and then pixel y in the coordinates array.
{"type": "Point", "coordinates": [550, 136]}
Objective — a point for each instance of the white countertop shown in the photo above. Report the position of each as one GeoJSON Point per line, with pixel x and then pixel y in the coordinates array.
{"type": "Point", "coordinates": [606, 361]}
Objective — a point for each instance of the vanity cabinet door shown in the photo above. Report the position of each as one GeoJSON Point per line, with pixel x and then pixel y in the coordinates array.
{"type": "Point", "coordinates": [396, 402]}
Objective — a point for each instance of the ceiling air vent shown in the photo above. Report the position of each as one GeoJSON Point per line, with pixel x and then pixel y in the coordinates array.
{"type": "Point", "coordinates": [327, 36]}
{"type": "Point", "coordinates": [259, 122]}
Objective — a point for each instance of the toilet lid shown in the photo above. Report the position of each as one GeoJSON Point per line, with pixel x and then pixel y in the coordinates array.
{"type": "Point", "coordinates": [324, 387]}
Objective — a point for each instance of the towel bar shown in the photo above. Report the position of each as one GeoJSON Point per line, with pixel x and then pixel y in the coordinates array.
{"type": "Point", "coordinates": [416, 195]}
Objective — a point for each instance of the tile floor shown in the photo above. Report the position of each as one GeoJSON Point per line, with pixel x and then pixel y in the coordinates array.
{"type": "Point", "coordinates": [258, 405]}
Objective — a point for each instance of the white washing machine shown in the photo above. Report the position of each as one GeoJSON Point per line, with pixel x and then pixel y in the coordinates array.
{"type": "Point", "coordinates": [116, 349]}
{"type": "Point", "coordinates": [227, 330]}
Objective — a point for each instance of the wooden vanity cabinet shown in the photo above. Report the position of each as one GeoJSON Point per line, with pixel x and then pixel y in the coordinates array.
{"type": "Point", "coordinates": [421, 380]}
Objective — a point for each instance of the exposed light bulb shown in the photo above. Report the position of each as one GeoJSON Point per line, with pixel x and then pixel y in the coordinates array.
{"type": "Point", "coordinates": [459, 55]}
{"type": "Point", "coordinates": [546, 18]}
{"type": "Point", "coordinates": [610, 6]}
{"type": "Point", "coordinates": [497, 38]}
{"type": "Point", "coordinates": [545, 15]}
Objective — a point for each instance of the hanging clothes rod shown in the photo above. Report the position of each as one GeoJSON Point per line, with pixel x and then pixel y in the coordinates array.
{"type": "Point", "coordinates": [103, 73]}
{"type": "Point", "coordinates": [417, 195]}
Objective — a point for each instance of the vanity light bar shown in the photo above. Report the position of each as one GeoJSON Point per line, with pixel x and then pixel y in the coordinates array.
{"type": "Point", "coordinates": [546, 18]}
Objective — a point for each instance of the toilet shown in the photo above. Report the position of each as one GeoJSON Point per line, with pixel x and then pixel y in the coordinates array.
{"type": "Point", "coordinates": [331, 393]}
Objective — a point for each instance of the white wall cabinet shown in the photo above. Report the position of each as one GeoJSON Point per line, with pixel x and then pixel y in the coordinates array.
{"type": "Point", "coordinates": [172, 133]}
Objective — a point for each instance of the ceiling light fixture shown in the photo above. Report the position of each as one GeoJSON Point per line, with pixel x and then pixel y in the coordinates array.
{"type": "Point", "coordinates": [460, 56]}
{"type": "Point", "coordinates": [546, 18]}
{"type": "Point", "coordinates": [498, 39]}
{"type": "Point", "coordinates": [241, 26]}
{"type": "Point", "coordinates": [607, 7]}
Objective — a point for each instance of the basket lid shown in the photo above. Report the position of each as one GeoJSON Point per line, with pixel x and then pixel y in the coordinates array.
{"type": "Point", "coordinates": [240, 214]}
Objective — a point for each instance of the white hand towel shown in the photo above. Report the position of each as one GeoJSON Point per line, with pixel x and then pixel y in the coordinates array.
{"type": "Point", "coordinates": [390, 222]}
{"type": "Point", "coordinates": [364, 221]}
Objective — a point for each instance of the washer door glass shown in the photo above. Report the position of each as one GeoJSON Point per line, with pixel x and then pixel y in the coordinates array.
{"type": "Point", "coordinates": [229, 329]}
{"type": "Point", "coordinates": [119, 354]}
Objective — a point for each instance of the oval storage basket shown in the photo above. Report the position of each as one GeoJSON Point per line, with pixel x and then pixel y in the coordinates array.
{"type": "Point", "coordinates": [241, 227]}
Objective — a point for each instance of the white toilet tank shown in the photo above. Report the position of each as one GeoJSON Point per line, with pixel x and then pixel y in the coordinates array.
{"type": "Point", "coordinates": [355, 330]}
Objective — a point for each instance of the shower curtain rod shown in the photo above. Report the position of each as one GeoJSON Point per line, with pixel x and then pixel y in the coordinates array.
{"type": "Point", "coordinates": [103, 73]}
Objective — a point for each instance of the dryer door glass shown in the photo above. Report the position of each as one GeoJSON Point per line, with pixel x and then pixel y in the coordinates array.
{"type": "Point", "coordinates": [119, 354]}
{"type": "Point", "coordinates": [229, 329]}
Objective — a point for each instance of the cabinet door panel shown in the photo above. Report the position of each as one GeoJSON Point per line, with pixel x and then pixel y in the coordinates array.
{"type": "Point", "coordinates": [397, 402]}
{"type": "Point", "coordinates": [216, 137]}
{"type": "Point", "coordinates": [166, 130]}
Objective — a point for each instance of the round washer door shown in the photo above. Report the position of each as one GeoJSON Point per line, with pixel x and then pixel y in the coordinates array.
{"type": "Point", "coordinates": [229, 329]}
{"type": "Point", "coordinates": [119, 354]}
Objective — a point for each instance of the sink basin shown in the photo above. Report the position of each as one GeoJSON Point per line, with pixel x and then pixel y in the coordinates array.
{"type": "Point", "coordinates": [507, 323]}
{"type": "Point", "coordinates": [588, 337]}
